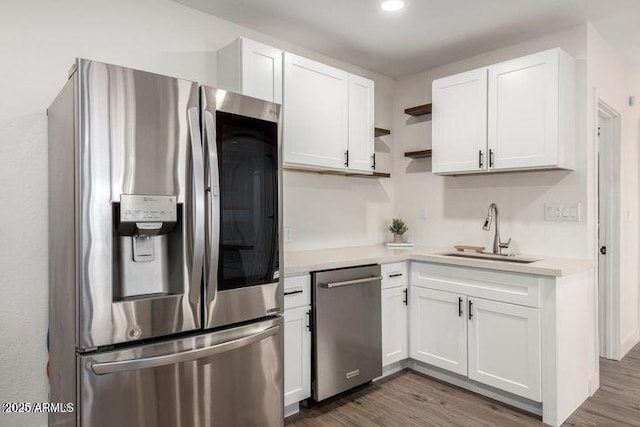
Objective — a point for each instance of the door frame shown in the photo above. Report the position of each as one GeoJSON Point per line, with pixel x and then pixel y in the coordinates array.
{"type": "Point", "coordinates": [608, 143]}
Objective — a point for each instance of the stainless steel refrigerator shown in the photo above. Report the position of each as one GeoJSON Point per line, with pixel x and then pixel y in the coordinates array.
{"type": "Point", "coordinates": [164, 237]}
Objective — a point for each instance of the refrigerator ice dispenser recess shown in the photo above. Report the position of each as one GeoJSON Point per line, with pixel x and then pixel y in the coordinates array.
{"type": "Point", "coordinates": [148, 243]}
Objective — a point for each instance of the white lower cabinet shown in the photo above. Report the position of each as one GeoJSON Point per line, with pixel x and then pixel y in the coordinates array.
{"type": "Point", "coordinates": [394, 325]}
{"type": "Point", "coordinates": [297, 339]}
{"type": "Point", "coordinates": [504, 347]}
{"type": "Point", "coordinates": [497, 343]}
{"type": "Point", "coordinates": [297, 355]}
{"type": "Point", "coordinates": [439, 329]}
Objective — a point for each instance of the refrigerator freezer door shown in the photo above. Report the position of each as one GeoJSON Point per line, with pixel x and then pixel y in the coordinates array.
{"type": "Point", "coordinates": [241, 140]}
{"type": "Point", "coordinates": [139, 203]}
{"type": "Point", "coordinates": [227, 378]}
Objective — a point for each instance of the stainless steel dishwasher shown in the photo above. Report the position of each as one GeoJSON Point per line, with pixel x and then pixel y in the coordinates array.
{"type": "Point", "coordinates": [347, 337]}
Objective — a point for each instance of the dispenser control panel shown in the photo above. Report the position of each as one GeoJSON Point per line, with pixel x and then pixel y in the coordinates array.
{"type": "Point", "coordinates": [147, 208]}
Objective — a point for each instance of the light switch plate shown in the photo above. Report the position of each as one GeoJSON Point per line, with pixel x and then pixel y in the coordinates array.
{"type": "Point", "coordinates": [565, 212]}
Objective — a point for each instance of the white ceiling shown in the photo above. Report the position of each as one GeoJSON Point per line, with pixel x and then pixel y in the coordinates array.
{"type": "Point", "coordinates": [426, 33]}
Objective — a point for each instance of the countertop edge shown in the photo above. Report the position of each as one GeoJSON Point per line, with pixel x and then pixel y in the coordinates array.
{"type": "Point", "coordinates": [538, 268]}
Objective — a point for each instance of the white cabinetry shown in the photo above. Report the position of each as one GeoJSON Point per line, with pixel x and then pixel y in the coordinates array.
{"type": "Point", "coordinates": [328, 113]}
{"type": "Point", "coordinates": [297, 339]}
{"type": "Point", "coordinates": [504, 347]}
{"type": "Point", "coordinates": [394, 313]}
{"type": "Point", "coordinates": [529, 116]}
{"type": "Point", "coordinates": [459, 122]}
{"type": "Point", "coordinates": [251, 68]}
{"type": "Point", "coordinates": [439, 329]}
{"type": "Point", "coordinates": [361, 124]}
{"type": "Point", "coordinates": [328, 117]}
{"type": "Point", "coordinates": [297, 355]}
{"type": "Point", "coordinates": [497, 343]}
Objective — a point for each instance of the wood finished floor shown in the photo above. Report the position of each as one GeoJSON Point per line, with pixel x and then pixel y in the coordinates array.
{"type": "Point", "coordinates": [413, 400]}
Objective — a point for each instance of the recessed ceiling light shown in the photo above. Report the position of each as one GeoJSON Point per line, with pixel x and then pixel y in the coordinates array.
{"type": "Point", "coordinates": [392, 5]}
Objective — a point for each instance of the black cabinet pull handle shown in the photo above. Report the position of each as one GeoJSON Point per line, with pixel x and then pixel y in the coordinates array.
{"type": "Point", "coordinates": [395, 275]}
{"type": "Point", "coordinates": [298, 291]}
{"type": "Point", "coordinates": [406, 297]}
{"type": "Point", "coordinates": [470, 310]}
{"type": "Point", "coordinates": [490, 158]}
{"type": "Point", "coordinates": [480, 159]}
{"type": "Point", "coordinates": [460, 306]}
{"type": "Point", "coordinates": [346, 159]}
{"type": "Point", "coordinates": [309, 320]}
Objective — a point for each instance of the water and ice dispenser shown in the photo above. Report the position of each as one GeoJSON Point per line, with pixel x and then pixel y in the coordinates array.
{"type": "Point", "coordinates": [148, 244]}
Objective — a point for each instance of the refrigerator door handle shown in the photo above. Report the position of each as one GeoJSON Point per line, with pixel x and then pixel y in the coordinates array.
{"type": "Point", "coordinates": [185, 356]}
{"type": "Point", "coordinates": [213, 208]}
{"type": "Point", "coordinates": [197, 228]}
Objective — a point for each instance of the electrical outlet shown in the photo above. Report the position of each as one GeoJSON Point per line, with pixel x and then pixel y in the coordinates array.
{"type": "Point", "coordinates": [565, 212]}
{"type": "Point", "coordinates": [288, 234]}
{"type": "Point", "coordinates": [423, 213]}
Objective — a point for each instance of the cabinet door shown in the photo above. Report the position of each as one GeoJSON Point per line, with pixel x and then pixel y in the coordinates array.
{"type": "Point", "coordinates": [394, 325]}
{"type": "Point", "coordinates": [297, 355]}
{"type": "Point", "coordinates": [504, 347]}
{"type": "Point", "coordinates": [315, 113]}
{"type": "Point", "coordinates": [261, 71]}
{"type": "Point", "coordinates": [523, 111]}
{"type": "Point", "coordinates": [439, 329]}
{"type": "Point", "coordinates": [459, 122]}
{"type": "Point", "coordinates": [361, 124]}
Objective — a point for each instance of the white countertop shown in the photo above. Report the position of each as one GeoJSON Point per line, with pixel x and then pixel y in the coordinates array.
{"type": "Point", "coordinates": [299, 262]}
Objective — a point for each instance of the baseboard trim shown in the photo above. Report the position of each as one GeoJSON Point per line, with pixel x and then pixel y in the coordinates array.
{"type": "Point", "coordinates": [628, 343]}
{"type": "Point", "coordinates": [475, 387]}
{"type": "Point", "coordinates": [594, 383]}
{"type": "Point", "coordinates": [292, 409]}
{"type": "Point", "coordinates": [459, 381]}
{"type": "Point", "coordinates": [393, 368]}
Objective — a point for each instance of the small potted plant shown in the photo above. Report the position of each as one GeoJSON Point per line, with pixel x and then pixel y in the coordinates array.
{"type": "Point", "coordinates": [398, 227]}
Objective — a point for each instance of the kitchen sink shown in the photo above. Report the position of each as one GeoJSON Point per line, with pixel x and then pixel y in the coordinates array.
{"type": "Point", "coordinates": [491, 257]}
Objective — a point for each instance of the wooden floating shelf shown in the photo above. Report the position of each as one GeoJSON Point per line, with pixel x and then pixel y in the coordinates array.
{"type": "Point", "coordinates": [381, 132]}
{"type": "Point", "coordinates": [339, 173]}
{"type": "Point", "coordinates": [420, 110]}
{"type": "Point", "coordinates": [375, 175]}
{"type": "Point", "coordinates": [420, 154]}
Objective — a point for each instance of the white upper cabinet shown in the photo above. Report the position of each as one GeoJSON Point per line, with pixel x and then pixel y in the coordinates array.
{"type": "Point", "coordinates": [251, 68]}
{"type": "Point", "coordinates": [327, 113]}
{"type": "Point", "coordinates": [528, 105]}
{"type": "Point", "coordinates": [315, 120]}
{"type": "Point", "coordinates": [459, 122]}
{"type": "Point", "coordinates": [328, 120]}
{"type": "Point", "coordinates": [361, 124]}
{"type": "Point", "coordinates": [528, 109]}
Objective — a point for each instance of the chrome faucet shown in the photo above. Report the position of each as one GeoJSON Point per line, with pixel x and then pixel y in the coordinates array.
{"type": "Point", "coordinates": [497, 244]}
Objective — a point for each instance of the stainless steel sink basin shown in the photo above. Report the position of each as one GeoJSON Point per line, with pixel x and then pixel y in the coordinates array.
{"type": "Point", "coordinates": [491, 257]}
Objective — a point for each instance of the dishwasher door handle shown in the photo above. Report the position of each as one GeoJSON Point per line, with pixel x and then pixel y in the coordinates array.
{"type": "Point", "coordinates": [351, 282]}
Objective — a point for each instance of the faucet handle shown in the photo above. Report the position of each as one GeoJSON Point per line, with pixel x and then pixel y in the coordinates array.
{"type": "Point", "coordinates": [505, 245]}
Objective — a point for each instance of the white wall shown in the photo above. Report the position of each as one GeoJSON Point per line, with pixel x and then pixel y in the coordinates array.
{"type": "Point", "coordinates": [457, 206]}
{"type": "Point", "coordinates": [634, 85]}
{"type": "Point", "coordinates": [38, 41]}
{"type": "Point", "coordinates": [609, 80]}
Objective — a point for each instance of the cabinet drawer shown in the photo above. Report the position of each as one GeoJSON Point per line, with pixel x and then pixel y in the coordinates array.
{"type": "Point", "coordinates": [394, 274]}
{"type": "Point", "coordinates": [512, 288]}
{"type": "Point", "coordinates": [297, 291]}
